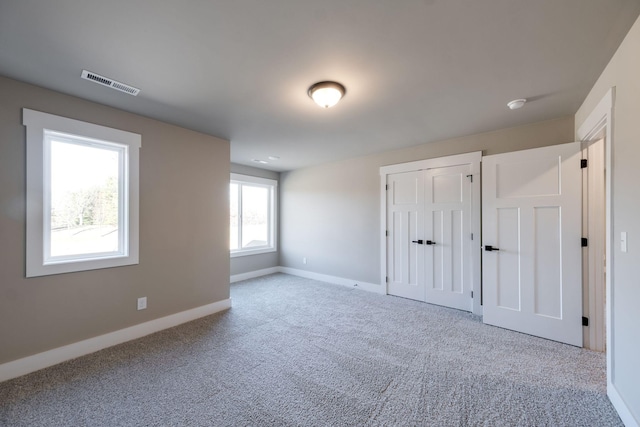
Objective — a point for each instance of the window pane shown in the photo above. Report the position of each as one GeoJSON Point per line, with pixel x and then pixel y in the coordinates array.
{"type": "Point", "coordinates": [255, 216]}
{"type": "Point", "coordinates": [84, 199]}
{"type": "Point", "coordinates": [252, 211]}
{"type": "Point", "coordinates": [233, 199]}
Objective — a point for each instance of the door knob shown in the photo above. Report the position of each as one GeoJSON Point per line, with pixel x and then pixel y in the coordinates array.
{"type": "Point", "coordinates": [430, 242]}
{"type": "Point", "coordinates": [417, 241]}
{"type": "Point", "coordinates": [490, 248]}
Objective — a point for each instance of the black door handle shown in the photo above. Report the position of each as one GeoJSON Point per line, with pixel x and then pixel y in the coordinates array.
{"type": "Point", "coordinates": [490, 248]}
{"type": "Point", "coordinates": [430, 242]}
{"type": "Point", "coordinates": [417, 241]}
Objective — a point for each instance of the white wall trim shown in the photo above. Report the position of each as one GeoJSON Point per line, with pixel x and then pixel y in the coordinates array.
{"type": "Point", "coordinates": [383, 230]}
{"type": "Point", "coordinates": [26, 365]}
{"type": "Point", "coordinates": [357, 284]}
{"type": "Point", "coordinates": [599, 123]}
{"type": "Point", "coordinates": [39, 260]}
{"type": "Point", "coordinates": [371, 287]}
{"type": "Point", "coordinates": [621, 407]}
{"type": "Point", "coordinates": [598, 119]}
{"type": "Point", "coordinates": [253, 274]}
{"type": "Point", "coordinates": [436, 162]}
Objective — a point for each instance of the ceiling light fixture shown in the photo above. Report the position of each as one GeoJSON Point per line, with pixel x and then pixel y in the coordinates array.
{"type": "Point", "coordinates": [262, 162]}
{"type": "Point", "coordinates": [516, 103]}
{"type": "Point", "coordinates": [326, 94]}
{"type": "Point", "coordinates": [274, 158]}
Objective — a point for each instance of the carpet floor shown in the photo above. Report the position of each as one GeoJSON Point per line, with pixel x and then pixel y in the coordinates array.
{"type": "Point", "coordinates": [297, 352]}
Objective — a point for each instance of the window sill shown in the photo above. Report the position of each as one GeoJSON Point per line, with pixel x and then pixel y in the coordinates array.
{"type": "Point", "coordinates": [247, 252]}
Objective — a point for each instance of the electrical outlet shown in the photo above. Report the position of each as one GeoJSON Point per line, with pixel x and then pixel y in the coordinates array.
{"type": "Point", "coordinates": [304, 260]}
{"type": "Point", "coordinates": [142, 303]}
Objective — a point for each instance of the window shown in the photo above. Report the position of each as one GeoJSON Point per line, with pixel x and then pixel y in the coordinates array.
{"type": "Point", "coordinates": [253, 215]}
{"type": "Point", "coordinates": [82, 195]}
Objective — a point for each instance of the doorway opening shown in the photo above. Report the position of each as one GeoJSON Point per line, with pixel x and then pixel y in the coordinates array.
{"type": "Point", "coordinates": [594, 254]}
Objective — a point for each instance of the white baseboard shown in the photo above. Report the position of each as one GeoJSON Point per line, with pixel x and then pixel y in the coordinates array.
{"type": "Point", "coordinates": [371, 287]}
{"type": "Point", "coordinates": [253, 274]}
{"type": "Point", "coordinates": [48, 358]}
{"type": "Point", "coordinates": [621, 407]}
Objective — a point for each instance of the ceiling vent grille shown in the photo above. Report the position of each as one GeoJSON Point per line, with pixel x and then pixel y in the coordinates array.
{"type": "Point", "coordinates": [105, 81]}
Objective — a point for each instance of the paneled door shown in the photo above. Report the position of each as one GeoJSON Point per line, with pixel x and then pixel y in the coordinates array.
{"type": "Point", "coordinates": [448, 230]}
{"type": "Point", "coordinates": [429, 235]}
{"type": "Point", "coordinates": [531, 225]}
{"type": "Point", "coordinates": [405, 217]}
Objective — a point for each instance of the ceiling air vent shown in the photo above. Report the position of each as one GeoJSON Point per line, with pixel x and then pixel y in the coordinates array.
{"type": "Point", "coordinates": [105, 81]}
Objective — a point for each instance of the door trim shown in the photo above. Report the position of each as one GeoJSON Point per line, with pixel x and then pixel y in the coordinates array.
{"type": "Point", "coordinates": [593, 228]}
{"type": "Point", "coordinates": [599, 123]}
{"type": "Point", "coordinates": [473, 159]}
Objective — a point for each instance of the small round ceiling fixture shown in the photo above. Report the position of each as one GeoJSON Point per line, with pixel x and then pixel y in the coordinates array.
{"type": "Point", "coordinates": [326, 94]}
{"type": "Point", "coordinates": [516, 103]}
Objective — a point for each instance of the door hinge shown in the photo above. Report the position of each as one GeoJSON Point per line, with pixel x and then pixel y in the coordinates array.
{"type": "Point", "coordinates": [585, 321]}
{"type": "Point", "coordinates": [584, 242]}
{"type": "Point", "coordinates": [583, 163]}
{"type": "Point", "coordinates": [471, 294]}
{"type": "Point", "coordinates": [471, 236]}
{"type": "Point", "coordinates": [386, 233]}
{"type": "Point", "coordinates": [386, 279]}
{"type": "Point", "coordinates": [386, 187]}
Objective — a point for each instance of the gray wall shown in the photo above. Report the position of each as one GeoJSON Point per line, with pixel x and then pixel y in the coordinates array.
{"type": "Point", "coordinates": [184, 232]}
{"type": "Point", "coordinates": [623, 72]}
{"type": "Point", "coordinates": [331, 213]}
{"type": "Point", "coordinates": [245, 264]}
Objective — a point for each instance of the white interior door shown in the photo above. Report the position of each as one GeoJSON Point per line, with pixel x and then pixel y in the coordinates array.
{"type": "Point", "coordinates": [447, 253]}
{"type": "Point", "coordinates": [532, 220]}
{"type": "Point", "coordinates": [429, 235]}
{"type": "Point", "coordinates": [405, 223]}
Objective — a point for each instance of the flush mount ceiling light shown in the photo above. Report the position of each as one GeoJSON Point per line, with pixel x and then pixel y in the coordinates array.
{"type": "Point", "coordinates": [326, 94]}
{"type": "Point", "coordinates": [516, 103]}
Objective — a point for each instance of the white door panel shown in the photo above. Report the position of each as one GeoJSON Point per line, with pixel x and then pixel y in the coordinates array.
{"type": "Point", "coordinates": [532, 215]}
{"type": "Point", "coordinates": [508, 264]}
{"type": "Point", "coordinates": [405, 211]}
{"type": "Point", "coordinates": [448, 226]}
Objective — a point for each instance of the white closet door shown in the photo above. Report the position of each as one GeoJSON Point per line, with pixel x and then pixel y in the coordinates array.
{"type": "Point", "coordinates": [405, 225]}
{"type": "Point", "coordinates": [448, 275]}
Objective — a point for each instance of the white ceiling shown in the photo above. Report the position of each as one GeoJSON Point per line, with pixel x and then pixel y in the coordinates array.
{"type": "Point", "coordinates": [415, 71]}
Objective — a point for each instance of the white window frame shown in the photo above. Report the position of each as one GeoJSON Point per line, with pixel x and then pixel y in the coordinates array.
{"type": "Point", "coordinates": [39, 126]}
{"type": "Point", "coordinates": [272, 185]}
